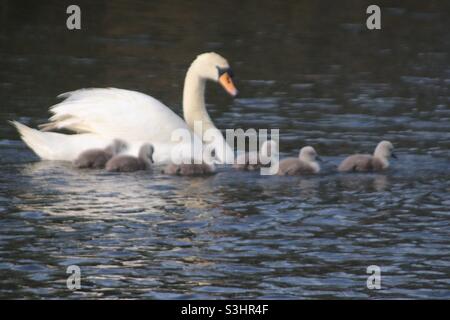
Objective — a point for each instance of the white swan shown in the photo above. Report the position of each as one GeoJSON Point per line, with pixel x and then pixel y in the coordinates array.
{"type": "Point", "coordinates": [100, 115]}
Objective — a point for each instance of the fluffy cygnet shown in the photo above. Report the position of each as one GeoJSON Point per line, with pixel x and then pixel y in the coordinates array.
{"type": "Point", "coordinates": [189, 169]}
{"type": "Point", "coordinates": [365, 162]}
{"type": "Point", "coordinates": [97, 158]}
{"type": "Point", "coordinates": [305, 163]}
{"type": "Point", "coordinates": [127, 163]}
{"type": "Point", "coordinates": [251, 161]}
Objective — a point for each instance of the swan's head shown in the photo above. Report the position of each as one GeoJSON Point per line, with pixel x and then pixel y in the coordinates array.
{"type": "Point", "coordinates": [384, 150]}
{"type": "Point", "coordinates": [216, 68]}
{"type": "Point", "coordinates": [308, 154]}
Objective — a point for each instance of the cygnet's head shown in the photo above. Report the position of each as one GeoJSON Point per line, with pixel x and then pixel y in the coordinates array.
{"type": "Point", "coordinates": [146, 152]}
{"type": "Point", "coordinates": [308, 154]}
{"type": "Point", "coordinates": [117, 146]}
{"type": "Point", "coordinates": [210, 156]}
{"type": "Point", "coordinates": [214, 67]}
{"type": "Point", "coordinates": [384, 150]}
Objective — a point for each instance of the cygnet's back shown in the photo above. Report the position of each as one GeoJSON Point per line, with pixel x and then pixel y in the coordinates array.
{"type": "Point", "coordinates": [304, 164]}
{"type": "Point", "coordinates": [127, 163]}
{"type": "Point", "coordinates": [97, 158]}
{"type": "Point", "coordinates": [365, 162]}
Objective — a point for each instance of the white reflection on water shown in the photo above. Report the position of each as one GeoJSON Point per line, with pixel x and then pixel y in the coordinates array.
{"type": "Point", "coordinates": [57, 188]}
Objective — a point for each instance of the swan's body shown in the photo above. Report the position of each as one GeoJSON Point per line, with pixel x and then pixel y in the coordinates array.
{"type": "Point", "coordinates": [305, 163]}
{"type": "Point", "coordinates": [97, 158]}
{"type": "Point", "coordinates": [127, 163]}
{"type": "Point", "coordinates": [366, 162]}
{"type": "Point", "coordinates": [101, 115]}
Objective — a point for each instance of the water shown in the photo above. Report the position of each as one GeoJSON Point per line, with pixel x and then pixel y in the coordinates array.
{"type": "Point", "coordinates": [309, 68]}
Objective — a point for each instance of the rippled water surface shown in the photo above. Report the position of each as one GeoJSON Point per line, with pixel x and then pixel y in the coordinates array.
{"type": "Point", "coordinates": [309, 68]}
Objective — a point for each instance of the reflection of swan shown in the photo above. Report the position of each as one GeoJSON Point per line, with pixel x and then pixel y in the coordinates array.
{"type": "Point", "coordinates": [57, 189]}
{"type": "Point", "coordinates": [308, 188]}
{"type": "Point", "coordinates": [379, 182]}
{"type": "Point", "coordinates": [100, 115]}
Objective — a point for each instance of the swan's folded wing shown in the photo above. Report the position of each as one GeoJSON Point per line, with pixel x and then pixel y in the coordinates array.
{"type": "Point", "coordinates": [114, 113]}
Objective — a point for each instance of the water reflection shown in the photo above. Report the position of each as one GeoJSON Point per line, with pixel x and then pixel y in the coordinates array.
{"type": "Point", "coordinates": [59, 189]}
{"type": "Point", "coordinates": [368, 182]}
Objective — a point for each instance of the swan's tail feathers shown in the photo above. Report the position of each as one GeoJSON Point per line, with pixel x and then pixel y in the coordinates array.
{"type": "Point", "coordinates": [63, 121]}
{"type": "Point", "coordinates": [58, 146]}
{"type": "Point", "coordinates": [48, 126]}
{"type": "Point", "coordinates": [35, 139]}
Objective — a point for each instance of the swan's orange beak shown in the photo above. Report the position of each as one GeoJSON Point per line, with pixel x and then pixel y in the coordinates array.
{"type": "Point", "coordinates": [227, 83]}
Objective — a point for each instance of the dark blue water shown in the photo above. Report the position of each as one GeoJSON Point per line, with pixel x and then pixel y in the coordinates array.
{"type": "Point", "coordinates": [310, 69]}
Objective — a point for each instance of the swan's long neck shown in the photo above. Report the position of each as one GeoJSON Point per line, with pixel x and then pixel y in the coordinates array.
{"type": "Point", "coordinates": [194, 100]}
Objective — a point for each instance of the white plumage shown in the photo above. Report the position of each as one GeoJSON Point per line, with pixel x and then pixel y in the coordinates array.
{"type": "Point", "coordinates": [98, 116]}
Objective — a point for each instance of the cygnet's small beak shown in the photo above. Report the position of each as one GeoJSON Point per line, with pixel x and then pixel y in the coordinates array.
{"type": "Point", "coordinates": [393, 155]}
{"type": "Point", "coordinates": [319, 159]}
{"type": "Point", "coordinates": [227, 83]}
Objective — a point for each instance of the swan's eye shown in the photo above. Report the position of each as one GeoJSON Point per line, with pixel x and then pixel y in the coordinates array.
{"type": "Point", "coordinates": [225, 70]}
